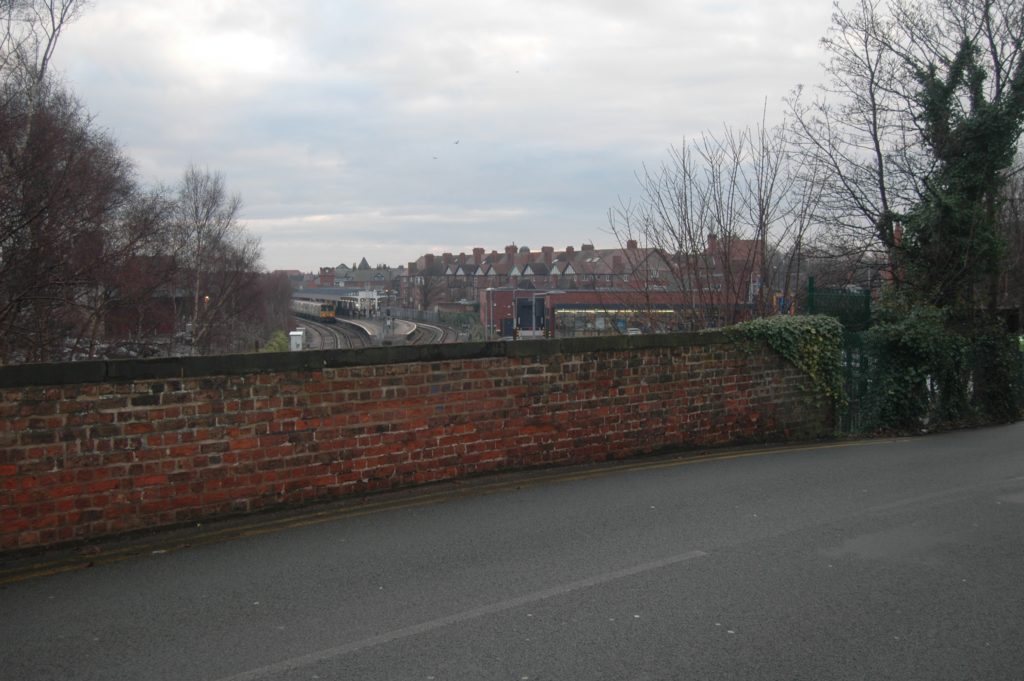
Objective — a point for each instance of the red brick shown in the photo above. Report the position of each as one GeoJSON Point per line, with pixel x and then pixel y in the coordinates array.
{"type": "Point", "coordinates": [247, 443]}
{"type": "Point", "coordinates": [102, 486]}
{"type": "Point", "coordinates": [62, 491]}
{"type": "Point", "coordinates": [226, 444]}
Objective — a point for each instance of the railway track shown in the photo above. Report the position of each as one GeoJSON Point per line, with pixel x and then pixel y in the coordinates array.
{"type": "Point", "coordinates": [427, 334]}
{"type": "Point", "coordinates": [332, 336]}
{"type": "Point", "coordinates": [355, 336]}
{"type": "Point", "coordinates": [317, 336]}
{"type": "Point", "coordinates": [343, 335]}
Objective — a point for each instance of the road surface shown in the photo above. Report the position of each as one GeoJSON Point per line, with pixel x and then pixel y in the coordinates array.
{"type": "Point", "coordinates": [899, 559]}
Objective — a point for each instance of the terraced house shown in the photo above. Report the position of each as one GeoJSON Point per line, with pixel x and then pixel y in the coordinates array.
{"type": "Point", "coordinates": [522, 290]}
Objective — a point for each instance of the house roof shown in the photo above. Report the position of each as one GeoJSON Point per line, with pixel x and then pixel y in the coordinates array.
{"type": "Point", "coordinates": [650, 264]}
{"type": "Point", "coordinates": [539, 269]}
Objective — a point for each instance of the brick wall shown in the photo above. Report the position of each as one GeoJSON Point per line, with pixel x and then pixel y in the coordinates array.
{"type": "Point", "coordinates": [99, 448]}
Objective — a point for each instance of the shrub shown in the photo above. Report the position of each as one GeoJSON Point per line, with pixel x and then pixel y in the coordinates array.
{"type": "Point", "coordinates": [917, 372]}
{"type": "Point", "coordinates": [277, 343]}
{"type": "Point", "coordinates": [997, 375]}
{"type": "Point", "coordinates": [928, 369]}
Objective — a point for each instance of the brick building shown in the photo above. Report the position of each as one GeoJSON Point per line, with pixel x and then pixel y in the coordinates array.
{"type": "Point", "coordinates": [634, 287]}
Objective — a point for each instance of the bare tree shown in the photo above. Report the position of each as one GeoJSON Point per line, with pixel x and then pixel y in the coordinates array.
{"type": "Point", "coordinates": [426, 286]}
{"type": "Point", "coordinates": [127, 304]}
{"type": "Point", "coordinates": [89, 262]}
{"type": "Point", "coordinates": [866, 132]}
{"type": "Point", "coordinates": [725, 217]}
{"type": "Point", "coordinates": [64, 186]}
{"type": "Point", "coordinates": [60, 180]}
{"type": "Point", "coordinates": [217, 258]}
{"type": "Point", "coordinates": [29, 32]}
{"type": "Point", "coordinates": [274, 293]}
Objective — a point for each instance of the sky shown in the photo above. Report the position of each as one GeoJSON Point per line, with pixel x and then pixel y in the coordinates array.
{"type": "Point", "coordinates": [387, 129]}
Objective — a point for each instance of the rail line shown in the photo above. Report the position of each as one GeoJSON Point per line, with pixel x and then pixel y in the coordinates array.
{"type": "Point", "coordinates": [428, 334]}
{"type": "Point", "coordinates": [350, 335]}
{"type": "Point", "coordinates": [331, 337]}
{"type": "Point", "coordinates": [355, 336]}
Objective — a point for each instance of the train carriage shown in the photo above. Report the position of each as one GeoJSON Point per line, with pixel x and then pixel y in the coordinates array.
{"type": "Point", "coordinates": [313, 309]}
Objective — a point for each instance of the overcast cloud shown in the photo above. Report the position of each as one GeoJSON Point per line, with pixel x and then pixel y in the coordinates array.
{"type": "Point", "coordinates": [391, 128]}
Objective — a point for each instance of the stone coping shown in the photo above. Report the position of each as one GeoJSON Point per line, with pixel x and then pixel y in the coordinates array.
{"type": "Point", "coordinates": [127, 370]}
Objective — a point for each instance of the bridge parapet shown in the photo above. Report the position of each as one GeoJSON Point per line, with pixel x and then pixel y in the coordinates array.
{"type": "Point", "coordinates": [100, 448]}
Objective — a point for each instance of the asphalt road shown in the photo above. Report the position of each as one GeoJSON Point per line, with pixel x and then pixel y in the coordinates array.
{"type": "Point", "coordinates": [895, 559]}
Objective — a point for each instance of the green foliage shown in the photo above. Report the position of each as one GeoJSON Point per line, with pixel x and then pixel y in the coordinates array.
{"type": "Point", "coordinates": [917, 369]}
{"type": "Point", "coordinates": [812, 343]}
{"type": "Point", "coordinates": [277, 343]}
{"type": "Point", "coordinates": [951, 244]}
{"type": "Point", "coordinates": [926, 369]}
{"type": "Point", "coordinates": [998, 375]}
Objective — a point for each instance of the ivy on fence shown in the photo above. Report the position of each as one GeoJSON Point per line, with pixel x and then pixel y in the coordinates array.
{"type": "Point", "coordinates": [927, 370]}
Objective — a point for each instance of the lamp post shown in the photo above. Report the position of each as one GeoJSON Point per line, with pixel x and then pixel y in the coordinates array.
{"type": "Point", "coordinates": [551, 317]}
{"type": "Point", "coordinates": [533, 311]}
{"type": "Point", "coordinates": [489, 313]}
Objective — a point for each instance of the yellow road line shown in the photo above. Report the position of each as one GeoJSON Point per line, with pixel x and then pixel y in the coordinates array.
{"type": "Point", "coordinates": [80, 562]}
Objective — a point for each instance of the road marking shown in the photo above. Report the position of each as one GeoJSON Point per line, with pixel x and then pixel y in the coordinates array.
{"type": "Point", "coordinates": [316, 517]}
{"type": "Point", "coordinates": [941, 497]}
{"type": "Point", "coordinates": [456, 618]}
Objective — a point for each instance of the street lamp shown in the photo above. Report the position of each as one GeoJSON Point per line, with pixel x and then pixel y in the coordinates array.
{"type": "Point", "coordinates": [551, 318]}
{"type": "Point", "coordinates": [489, 313]}
{"type": "Point", "coordinates": [533, 313]}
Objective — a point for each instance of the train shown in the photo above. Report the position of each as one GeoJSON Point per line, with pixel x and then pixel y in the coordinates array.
{"type": "Point", "coordinates": [313, 309]}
